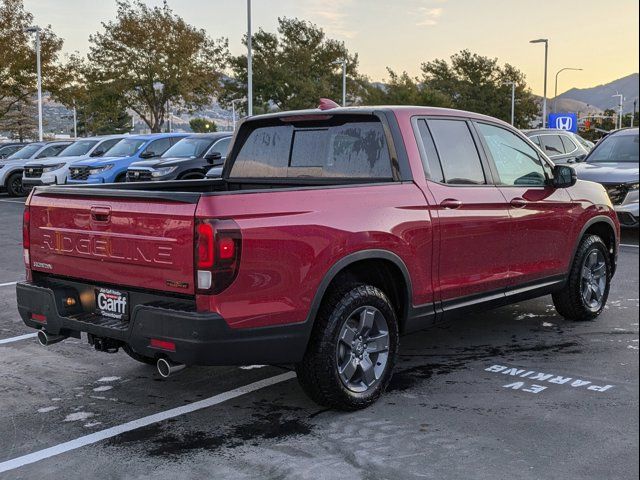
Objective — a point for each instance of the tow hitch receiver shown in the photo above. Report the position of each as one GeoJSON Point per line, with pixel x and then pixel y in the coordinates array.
{"type": "Point", "coordinates": [102, 344]}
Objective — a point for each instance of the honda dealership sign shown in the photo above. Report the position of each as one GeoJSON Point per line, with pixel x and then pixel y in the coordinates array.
{"type": "Point", "coordinates": [564, 121]}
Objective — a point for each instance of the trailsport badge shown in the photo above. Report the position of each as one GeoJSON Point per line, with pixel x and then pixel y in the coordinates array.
{"type": "Point", "coordinates": [111, 303]}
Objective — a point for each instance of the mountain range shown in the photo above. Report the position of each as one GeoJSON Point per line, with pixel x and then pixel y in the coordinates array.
{"type": "Point", "coordinates": [601, 96]}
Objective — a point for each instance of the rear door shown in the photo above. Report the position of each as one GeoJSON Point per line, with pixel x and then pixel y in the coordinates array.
{"type": "Point", "coordinates": [541, 222]}
{"type": "Point", "coordinates": [472, 215]}
{"type": "Point", "coordinates": [116, 240]}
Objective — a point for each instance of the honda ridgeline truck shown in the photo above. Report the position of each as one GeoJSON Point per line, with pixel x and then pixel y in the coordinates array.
{"type": "Point", "coordinates": [330, 233]}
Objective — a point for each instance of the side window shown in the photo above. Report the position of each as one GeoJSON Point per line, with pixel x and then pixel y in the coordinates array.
{"type": "Point", "coordinates": [536, 139]}
{"type": "Point", "coordinates": [458, 154]}
{"type": "Point", "coordinates": [431, 164]}
{"type": "Point", "coordinates": [552, 145]}
{"type": "Point", "coordinates": [568, 144]}
{"type": "Point", "coordinates": [106, 145]}
{"type": "Point", "coordinates": [175, 140]}
{"type": "Point", "coordinates": [51, 151]}
{"type": "Point", "coordinates": [158, 147]}
{"type": "Point", "coordinates": [517, 163]}
{"type": "Point", "coordinates": [221, 146]}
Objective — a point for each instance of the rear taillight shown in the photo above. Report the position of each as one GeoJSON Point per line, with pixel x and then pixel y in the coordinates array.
{"type": "Point", "coordinates": [217, 254]}
{"type": "Point", "coordinates": [26, 241]}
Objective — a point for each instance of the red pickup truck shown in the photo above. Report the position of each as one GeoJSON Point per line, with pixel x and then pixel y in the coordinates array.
{"type": "Point", "coordinates": [330, 233]}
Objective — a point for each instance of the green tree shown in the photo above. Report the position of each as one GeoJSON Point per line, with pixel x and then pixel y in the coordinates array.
{"type": "Point", "coordinates": [479, 84]}
{"type": "Point", "coordinates": [293, 69]}
{"type": "Point", "coordinates": [18, 62]}
{"type": "Point", "coordinates": [152, 56]}
{"type": "Point", "coordinates": [202, 125]}
{"type": "Point", "coordinates": [21, 119]}
{"type": "Point", "coordinates": [402, 89]}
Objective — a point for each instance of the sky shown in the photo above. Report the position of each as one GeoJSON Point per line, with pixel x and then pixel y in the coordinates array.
{"type": "Point", "coordinates": [598, 36]}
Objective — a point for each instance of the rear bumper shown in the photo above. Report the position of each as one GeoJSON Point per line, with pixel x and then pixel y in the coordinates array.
{"type": "Point", "coordinates": [201, 338]}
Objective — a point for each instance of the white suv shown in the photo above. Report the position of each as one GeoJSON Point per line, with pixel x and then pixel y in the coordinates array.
{"type": "Point", "coordinates": [52, 171]}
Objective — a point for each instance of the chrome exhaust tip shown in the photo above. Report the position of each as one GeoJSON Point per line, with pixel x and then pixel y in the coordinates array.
{"type": "Point", "coordinates": [45, 339]}
{"type": "Point", "coordinates": [166, 367]}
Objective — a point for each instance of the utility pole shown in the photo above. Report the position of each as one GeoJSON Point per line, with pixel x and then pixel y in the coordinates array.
{"type": "Point", "coordinates": [513, 103]}
{"type": "Point", "coordinates": [75, 121]}
{"type": "Point", "coordinates": [633, 113]}
{"type": "Point", "coordinates": [249, 63]}
{"type": "Point", "coordinates": [343, 62]}
{"type": "Point", "coordinates": [619, 95]}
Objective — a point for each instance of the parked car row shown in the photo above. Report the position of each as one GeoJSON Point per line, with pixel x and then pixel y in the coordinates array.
{"type": "Point", "coordinates": [107, 159]}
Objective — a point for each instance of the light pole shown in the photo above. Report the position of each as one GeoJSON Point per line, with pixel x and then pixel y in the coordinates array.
{"type": "Point", "coordinates": [546, 60]}
{"type": "Point", "coordinates": [619, 95]}
{"type": "Point", "coordinates": [555, 91]}
{"type": "Point", "coordinates": [75, 121]}
{"type": "Point", "coordinates": [249, 63]}
{"type": "Point", "coordinates": [633, 112]}
{"type": "Point", "coordinates": [513, 103]}
{"type": "Point", "coordinates": [343, 62]}
{"type": "Point", "coordinates": [35, 29]}
{"type": "Point", "coordinates": [233, 111]}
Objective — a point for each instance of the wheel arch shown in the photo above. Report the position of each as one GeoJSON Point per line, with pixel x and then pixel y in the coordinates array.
{"type": "Point", "coordinates": [604, 227]}
{"type": "Point", "coordinates": [396, 284]}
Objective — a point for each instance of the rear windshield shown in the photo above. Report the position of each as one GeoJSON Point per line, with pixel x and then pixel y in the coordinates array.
{"type": "Point", "coordinates": [355, 149]}
{"type": "Point", "coordinates": [616, 148]}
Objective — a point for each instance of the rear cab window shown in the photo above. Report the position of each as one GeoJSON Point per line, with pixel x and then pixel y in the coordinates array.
{"type": "Point", "coordinates": [340, 147]}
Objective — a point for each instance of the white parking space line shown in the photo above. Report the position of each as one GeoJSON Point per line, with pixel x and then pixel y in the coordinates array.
{"type": "Point", "coordinates": [141, 422]}
{"type": "Point", "coordinates": [8, 284]}
{"type": "Point", "coordinates": [628, 245]}
{"type": "Point", "coordinates": [17, 339]}
{"type": "Point", "coordinates": [12, 201]}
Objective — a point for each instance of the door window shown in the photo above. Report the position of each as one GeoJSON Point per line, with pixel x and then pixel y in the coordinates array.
{"type": "Point", "coordinates": [517, 163]}
{"type": "Point", "coordinates": [552, 145]}
{"type": "Point", "coordinates": [568, 144]}
{"type": "Point", "coordinates": [158, 147]}
{"type": "Point", "coordinates": [52, 151]}
{"type": "Point", "coordinates": [457, 151]}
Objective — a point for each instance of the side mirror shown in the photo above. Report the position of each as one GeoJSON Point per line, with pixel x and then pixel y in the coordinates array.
{"type": "Point", "coordinates": [564, 176]}
{"type": "Point", "coordinates": [148, 154]}
{"type": "Point", "coordinates": [212, 157]}
{"type": "Point", "coordinates": [580, 158]}
{"type": "Point", "coordinates": [97, 153]}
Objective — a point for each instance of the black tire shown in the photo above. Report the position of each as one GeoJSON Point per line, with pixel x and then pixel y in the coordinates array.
{"type": "Point", "coordinates": [570, 301]}
{"type": "Point", "coordinates": [192, 176]}
{"type": "Point", "coordinates": [318, 372]}
{"type": "Point", "coordinates": [121, 178]}
{"type": "Point", "coordinates": [138, 357]}
{"type": "Point", "coordinates": [14, 185]}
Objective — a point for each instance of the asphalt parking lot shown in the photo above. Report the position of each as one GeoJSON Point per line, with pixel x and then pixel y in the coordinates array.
{"type": "Point", "coordinates": [513, 393]}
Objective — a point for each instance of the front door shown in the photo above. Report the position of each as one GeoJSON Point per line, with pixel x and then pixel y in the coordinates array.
{"type": "Point", "coordinates": [541, 223]}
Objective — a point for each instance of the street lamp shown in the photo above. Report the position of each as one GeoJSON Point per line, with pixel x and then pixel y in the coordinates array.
{"type": "Point", "coordinates": [249, 63]}
{"type": "Point", "coordinates": [233, 111]}
{"type": "Point", "coordinates": [546, 59]}
{"type": "Point", "coordinates": [555, 92]}
{"type": "Point", "coordinates": [513, 103]}
{"type": "Point", "coordinates": [343, 62]}
{"type": "Point", "coordinates": [35, 29]}
{"type": "Point", "coordinates": [619, 109]}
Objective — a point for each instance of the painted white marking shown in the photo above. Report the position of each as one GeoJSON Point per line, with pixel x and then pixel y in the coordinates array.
{"type": "Point", "coordinates": [108, 379]}
{"type": "Point", "coordinates": [103, 388]}
{"type": "Point", "coordinates": [74, 417]}
{"type": "Point", "coordinates": [629, 245]}
{"type": "Point", "coordinates": [18, 338]}
{"type": "Point", "coordinates": [141, 422]}
{"type": "Point", "coordinates": [12, 201]}
{"type": "Point", "coordinates": [47, 409]}
{"type": "Point", "coordinates": [8, 284]}
{"type": "Point", "coordinates": [251, 367]}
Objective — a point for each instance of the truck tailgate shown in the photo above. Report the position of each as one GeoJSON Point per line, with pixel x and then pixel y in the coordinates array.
{"type": "Point", "coordinates": [119, 239]}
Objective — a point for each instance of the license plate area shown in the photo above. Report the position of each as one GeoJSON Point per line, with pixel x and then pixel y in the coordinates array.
{"type": "Point", "coordinates": [112, 303]}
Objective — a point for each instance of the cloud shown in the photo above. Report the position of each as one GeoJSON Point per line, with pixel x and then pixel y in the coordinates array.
{"type": "Point", "coordinates": [331, 16]}
{"type": "Point", "coordinates": [428, 14]}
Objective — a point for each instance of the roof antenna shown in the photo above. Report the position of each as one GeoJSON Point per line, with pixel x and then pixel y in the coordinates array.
{"type": "Point", "coordinates": [327, 104]}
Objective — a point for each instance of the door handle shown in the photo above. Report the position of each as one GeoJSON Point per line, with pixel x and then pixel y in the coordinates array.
{"type": "Point", "coordinates": [451, 203]}
{"type": "Point", "coordinates": [519, 202]}
{"type": "Point", "coordinates": [100, 214]}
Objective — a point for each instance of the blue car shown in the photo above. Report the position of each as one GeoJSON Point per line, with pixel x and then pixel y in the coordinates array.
{"type": "Point", "coordinates": [112, 166]}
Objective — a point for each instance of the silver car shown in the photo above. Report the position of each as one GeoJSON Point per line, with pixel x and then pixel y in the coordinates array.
{"type": "Point", "coordinates": [614, 163]}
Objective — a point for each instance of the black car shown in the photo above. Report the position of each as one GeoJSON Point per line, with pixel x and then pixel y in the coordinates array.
{"type": "Point", "coordinates": [561, 146]}
{"type": "Point", "coordinates": [9, 148]}
{"type": "Point", "coordinates": [191, 158]}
